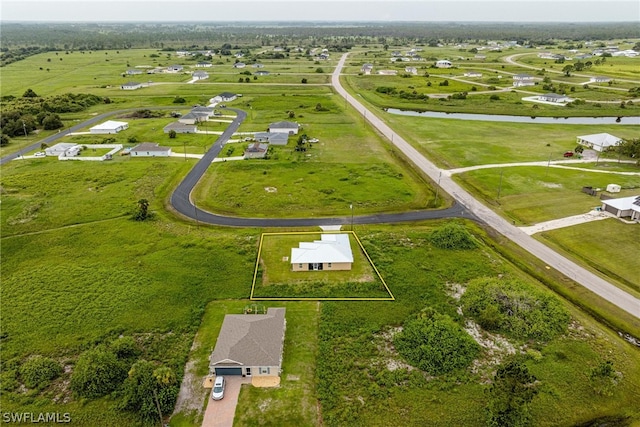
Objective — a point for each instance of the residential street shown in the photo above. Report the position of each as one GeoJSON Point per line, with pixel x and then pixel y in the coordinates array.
{"type": "Point", "coordinates": [554, 260]}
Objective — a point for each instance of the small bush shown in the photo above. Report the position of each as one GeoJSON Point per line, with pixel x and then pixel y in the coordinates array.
{"type": "Point", "coordinates": [494, 98]}
{"type": "Point", "coordinates": [514, 308]}
{"type": "Point", "coordinates": [452, 236]}
{"type": "Point", "coordinates": [96, 374]}
{"type": "Point", "coordinates": [39, 371]}
{"type": "Point", "coordinates": [436, 344]}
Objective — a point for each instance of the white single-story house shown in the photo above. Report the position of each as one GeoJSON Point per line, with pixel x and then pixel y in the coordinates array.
{"type": "Point", "coordinates": [200, 75]}
{"type": "Point", "coordinates": [472, 74]}
{"type": "Point", "coordinates": [480, 57]}
{"type": "Point", "coordinates": [256, 65]}
{"type": "Point", "coordinates": [332, 252]}
{"type": "Point", "coordinates": [554, 97]}
{"type": "Point", "coordinates": [411, 70]}
{"type": "Point", "coordinates": [131, 86]}
{"type": "Point", "coordinates": [193, 118]}
{"type": "Point", "coordinates": [174, 68]}
{"type": "Point", "coordinates": [133, 71]}
{"type": "Point", "coordinates": [284, 127]}
{"type": "Point", "coordinates": [239, 65]}
{"type": "Point", "coordinates": [250, 345]}
{"type": "Point", "coordinates": [261, 73]}
{"type": "Point", "coordinates": [110, 126]}
{"type": "Point", "coordinates": [623, 207]}
{"type": "Point", "coordinates": [443, 63]}
{"type": "Point", "coordinates": [600, 79]}
{"type": "Point", "coordinates": [204, 64]}
{"type": "Point", "coordinates": [523, 80]}
{"type": "Point", "coordinates": [180, 128]}
{"type": "Point", "coordinates": [209, 111]}
{"type": "Point", "coordinates": [366, 69]}
{"type": "Point", "coordinates": [273, 138]}
{"type": "Point", "coordinates": [150, 149]}
{"type": "Point", "coordinates": [65, 149]}
{"type": "Point", "coordinates": [388, 72]}
{"type": "Point", "coordinates": [257, 150]}
{"type": "Point", "coordinates": [225, 97]}
{"type": "Point", "coordinates": [599, 141]}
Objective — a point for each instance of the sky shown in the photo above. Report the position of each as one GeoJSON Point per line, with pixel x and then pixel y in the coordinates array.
{"type": "Point", "coordinates": [322, 10]}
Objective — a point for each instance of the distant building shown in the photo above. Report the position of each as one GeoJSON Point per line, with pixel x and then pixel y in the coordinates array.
{"type": "Point", "coordinates": [257, 150]}
{"type": "Point", "coordinates": [599, 141]}
{"type": "Point", "coordinates": [332, 252]}
{"type": "Point", "coordinates": [523, 80]}
{"type": "Point", "coordinates": [108, 127]}
{"type": "Point", "coordinates": [284, 127]}
{"type": "Point", "coordinates": [443, 63]}
{"type": "Point", "coordinates": [149, 149]}
{"type": "Point", "coordinates": [131, 86]}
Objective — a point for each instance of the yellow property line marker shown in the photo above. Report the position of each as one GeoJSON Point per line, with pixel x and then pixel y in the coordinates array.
{"type": "Point", "coordinates": [255, 272]}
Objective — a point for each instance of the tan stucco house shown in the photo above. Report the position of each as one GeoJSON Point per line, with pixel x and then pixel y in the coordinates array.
{"type": "Point", "coordinates": [250, 345]}
{"type": "Point", "coordinates": [332, 252]}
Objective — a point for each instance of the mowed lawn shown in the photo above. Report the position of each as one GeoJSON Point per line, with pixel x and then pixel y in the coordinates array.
{"type": "Point", "coordinates": [349, 165]}
{"type": "Point", "coordinates": [457, 143]}
{"type": "Point", "coordinates": [530, 195]}
{"type": "Point", "coordinates": [608, 246]}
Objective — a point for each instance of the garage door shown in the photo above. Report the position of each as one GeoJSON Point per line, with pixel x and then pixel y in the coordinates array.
{"type": "Point", "coordinates": [228, 371]}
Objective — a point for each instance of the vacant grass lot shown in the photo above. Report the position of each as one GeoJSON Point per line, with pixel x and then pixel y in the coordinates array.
{"type": "Point", "coordinates": [608, 246]}
{"type": "Point", "coordinates": [349, 165]}
{"type": "Point", "coordinates": [530, 195]}
{"type": "Point", "coordinates": [458, 143]}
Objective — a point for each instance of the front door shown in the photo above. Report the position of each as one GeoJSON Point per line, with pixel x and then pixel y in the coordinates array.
{"type": "Point", "coordinates": [315, 266]}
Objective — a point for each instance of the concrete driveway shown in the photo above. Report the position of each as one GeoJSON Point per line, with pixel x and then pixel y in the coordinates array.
{"type": "Point", "coordinates": [220, 413]}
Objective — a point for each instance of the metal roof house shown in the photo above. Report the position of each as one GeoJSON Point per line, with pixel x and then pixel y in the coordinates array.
{"type": "Point", "coordinates": [250, 345]}
{"type": "Point", "coordinates": [110, 126]}
{"type": "Point", "coordinates": [332, 252]}
{"type": "Point", "coordinates": [599, 141]}
{"type": "Point", "coordinates": [623, 207]}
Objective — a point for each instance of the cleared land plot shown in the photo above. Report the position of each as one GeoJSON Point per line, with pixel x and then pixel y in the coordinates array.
{"type": "Point", "coordinates": [459, 143]}
{"type": "Point", "coordinates": [349, 165]}
{"type": "Point", "coordinates": [530, 195]}
{"type": "Point", "coordinates": [610, 247]}
{"type": "Point", "coordinates": [274, 278]}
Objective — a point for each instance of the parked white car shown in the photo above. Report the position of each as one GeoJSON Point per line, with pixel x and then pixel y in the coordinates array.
{"type": "Point", "coordinates": [40, 154]}
{"type": "Point", "coordinates": [217, 393]}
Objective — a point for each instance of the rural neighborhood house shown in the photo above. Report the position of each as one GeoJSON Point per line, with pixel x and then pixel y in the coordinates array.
{"type": "Point", "coordinates": [250, 345]}
{"type": "Point", "coordinates": [332, 252]}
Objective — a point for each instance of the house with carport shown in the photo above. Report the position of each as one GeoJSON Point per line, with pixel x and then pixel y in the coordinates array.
{"type": "Point", "coordinates": [250, 345]}
{"type": "Point", "coordinates": [273, 138]}
{"type": "Point", "coordinates": [599, 141]}
{"type": "Point", "coordinates": [331, 253]}
{"type": "Point", "coordinates": [555, 97]}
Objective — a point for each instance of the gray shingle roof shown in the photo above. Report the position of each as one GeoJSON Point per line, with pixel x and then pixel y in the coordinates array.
{"type": "Point", "coordinates": [284, 125]}
{"type": "Point", "coordinates": [251, 339]}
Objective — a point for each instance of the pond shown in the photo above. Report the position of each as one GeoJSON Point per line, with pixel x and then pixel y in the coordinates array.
{"type": "Point", "coordinates": [521, 119]}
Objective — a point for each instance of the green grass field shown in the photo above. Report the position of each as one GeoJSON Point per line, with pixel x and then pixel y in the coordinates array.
{"type": "Point", "coordinates": [530, 195]}
{"type": "Point", "coordinates": [611, 258]}
{"type": "Point", "coordinates": [77, 272]}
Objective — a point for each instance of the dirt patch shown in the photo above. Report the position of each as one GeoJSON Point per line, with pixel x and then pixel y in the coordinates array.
{"type": "Point", "coordinates": [390, 357]}
{"type": "Point", "coordinates": [455, 290]}
{"type": "Point", "coordinates": [271, 189]}
{"type": "Point", "coordinates": [192, 393]}
{"type": "Point", "coordinates": [551, 185]}
{"type": "Point", "coordinates": [496, 348]}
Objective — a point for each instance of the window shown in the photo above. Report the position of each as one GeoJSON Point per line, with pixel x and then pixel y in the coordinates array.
{"type": "Point", "coordinates": [299, 265]}
{"type": "Point", "coordinates": [328, 265]}
{"type": "Point", "coordinates": [264, 370]}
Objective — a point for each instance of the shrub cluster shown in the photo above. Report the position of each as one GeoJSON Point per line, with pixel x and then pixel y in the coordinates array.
{"type": "Point", "coordinates": [514, 308]}
{"type": "Point", "coordinates": [452, 236]}
{"type": "Point", "coordinates": [436, 344]}
{"type": "Point", "coordinates": [39, 371]}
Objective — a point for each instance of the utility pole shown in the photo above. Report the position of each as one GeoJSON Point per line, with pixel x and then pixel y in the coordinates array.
{"type": "Point", "coordinates": [351, 207]}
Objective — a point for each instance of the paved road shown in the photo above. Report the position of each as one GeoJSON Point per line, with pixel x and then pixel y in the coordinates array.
{"type": "Point", "coordinates": [182, 202]}
{"type": "Point", "coordinates": [569, 268]}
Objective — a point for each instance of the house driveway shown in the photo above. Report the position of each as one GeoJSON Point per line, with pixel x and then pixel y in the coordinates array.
{"type": "Point", "coordinates": [220, 413]}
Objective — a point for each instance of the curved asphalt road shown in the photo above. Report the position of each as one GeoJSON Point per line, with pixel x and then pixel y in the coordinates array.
{"type": "Point", "coordinates": [182, 203]}
{"type": "Point", "coordinates": [569, 268]}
